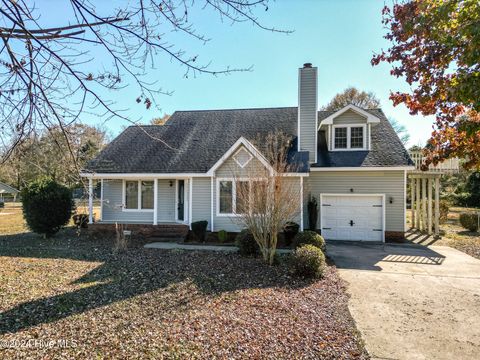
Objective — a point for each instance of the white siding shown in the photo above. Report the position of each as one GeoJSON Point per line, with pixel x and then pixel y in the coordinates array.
{"type": "Point", "coordinates": [112, 205]}
{"type": "Point", "coordinates": [390, 183]}
{"type": "Point", "coordinates": [349, 117]}
{"type": "Point", "coordinates": [201, 199]}
{"type": "Point", "coordinates": [166, 200]}
{"type": "Point", "coordinates": [230, 168]}
{"type": "Point", "coordinates": [113, 201]}
{"type": "Point", "coordinates": [307, 111]}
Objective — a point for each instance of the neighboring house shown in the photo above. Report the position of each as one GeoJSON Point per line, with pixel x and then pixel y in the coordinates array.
{"type": "Point", "coordinates": [350, 160]}
{"type": "Point", "coordinates": [8, 191]}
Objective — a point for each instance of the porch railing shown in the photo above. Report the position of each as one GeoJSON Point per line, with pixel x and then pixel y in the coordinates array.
{"type": "Point", "coordinates": [449, 165]}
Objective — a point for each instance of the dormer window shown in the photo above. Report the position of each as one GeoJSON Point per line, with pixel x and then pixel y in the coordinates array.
{"type": "Point", "coordinates": [349, 137]}
{"type": "Point", "coordinates": [356, 137]}
{"type": "Point", "coordinates": [341, 135]}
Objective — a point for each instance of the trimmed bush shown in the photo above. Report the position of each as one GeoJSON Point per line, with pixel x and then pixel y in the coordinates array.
{"type": "Point", "coordinates": [247, 246]}
{"type": "Point", "coordinates": [308, 261]}
{"type": "Point", "coordinates": [47, 206]}
{"type": "Point", "coordinates": [444, 209]}
{"type": "Point", "coordinates": [199, 228]}
{"type": "Point", "coordinates": [2, 204]}
{"type": "Point", "coordinates": [80, 220]}
{"type": "Point", "coordinates": [309, 238]}
{"type": "Point", "coordinates": [222, 236]}
{"type": "Point", "coordinates": [469, 221]}
{"type": "Point", "coordinates": [290, 229]}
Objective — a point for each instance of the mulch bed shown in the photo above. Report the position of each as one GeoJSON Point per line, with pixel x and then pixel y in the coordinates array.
{"type": "Point", "coordinates": [73, 298]}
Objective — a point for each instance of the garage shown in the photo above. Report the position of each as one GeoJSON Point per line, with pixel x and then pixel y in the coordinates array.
{"type": "Point", "coordinates": [352, 217]}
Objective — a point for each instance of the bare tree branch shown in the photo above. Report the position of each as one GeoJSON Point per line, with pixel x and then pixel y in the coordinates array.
{"type": "Point", "coordinates": [51, 77]}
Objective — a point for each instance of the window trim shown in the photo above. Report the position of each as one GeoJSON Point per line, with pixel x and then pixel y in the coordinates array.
{"type": "Point", "coordinates": [349, 132]}
{"type": "Point", "coordinates": [124, 194]}
{"type": "Point", "coordinates": [234, 156]}
{"type": "Point", "coordinates": [234, 194]}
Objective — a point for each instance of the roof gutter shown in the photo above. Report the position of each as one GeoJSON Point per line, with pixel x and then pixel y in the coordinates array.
{"type": "Point", "coordinates": [92, 175]}
{"type": "Point", "coordinates": [365, 168]}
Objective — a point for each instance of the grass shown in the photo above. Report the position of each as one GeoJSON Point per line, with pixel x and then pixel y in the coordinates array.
{"type": "Point", "coordinates": [12, 222]}
{"type": "Point", "coordinates": [74, 293]}
{"type": "Point", "coordinates": [11, 219]}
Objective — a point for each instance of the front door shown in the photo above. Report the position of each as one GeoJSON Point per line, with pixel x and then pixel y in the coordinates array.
{"type": "Point", "coordinates": [181, 200]}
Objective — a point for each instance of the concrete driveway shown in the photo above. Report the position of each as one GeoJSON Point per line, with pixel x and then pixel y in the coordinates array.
{"type": "Point", "coordinates": [413, 302]}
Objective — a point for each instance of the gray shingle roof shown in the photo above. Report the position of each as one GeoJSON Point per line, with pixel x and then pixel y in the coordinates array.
{"type": "Point", "coordinates": [7, 189]}
{"type": "Point", "coordinates": [197, 139]}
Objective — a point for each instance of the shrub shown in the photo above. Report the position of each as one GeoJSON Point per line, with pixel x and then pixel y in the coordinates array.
{"type": "Point", "coordinates": [199, 228]}
{"type": "Point", "coordinates": [473, 188]}
{"type": "Point", "coordinates": [308, 261]}
{"type": "Point", "coordinates": [290, 229]}
{"type": "Point", "coordinates": [247, 246]}
{"type": "Point", "coordinates": [469, 221]}
{"type": "Point", "coordinates": [2, 204]}
{"type": "Point", "coordinates": [47, 206]}
{"type": "Point", "coordinates": [80, 220]}
{"type": "Point", "coordinates": [310, 238]}
{"type": "Point", "coordinates": [222, 236]}
{"type": "Point", "coordinates": [444, 209]}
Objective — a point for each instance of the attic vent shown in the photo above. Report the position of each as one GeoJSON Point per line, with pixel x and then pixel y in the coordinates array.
{"type": "Point", "coordinates": [242, 157]}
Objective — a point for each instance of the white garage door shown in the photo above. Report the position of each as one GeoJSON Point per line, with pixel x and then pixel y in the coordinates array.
{"type": "Point", "coordinates": [352, 217]}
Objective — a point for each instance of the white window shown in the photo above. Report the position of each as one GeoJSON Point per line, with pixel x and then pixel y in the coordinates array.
{"type": "Point", "coordinates": [349, 137]}
{"type": "Point", "coordinates": [242, 157]}
{"type": "Point", "coordinates": [341, 135]}
{"type": "Point", "coordinates": [231, 195]}
{"type": "Point", "coordinates": [138, 195]}
{"type": "Point", "coordinates": [225, 194]}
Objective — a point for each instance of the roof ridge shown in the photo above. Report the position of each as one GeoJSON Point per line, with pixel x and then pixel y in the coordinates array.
{"type": "Point", "coordinates": [236, 109]}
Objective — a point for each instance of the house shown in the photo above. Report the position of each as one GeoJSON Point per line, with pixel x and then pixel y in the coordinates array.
{"type": "Point", "coordinates": [351, 160]}
{"type": "Point", "coordinates": [7, 190]}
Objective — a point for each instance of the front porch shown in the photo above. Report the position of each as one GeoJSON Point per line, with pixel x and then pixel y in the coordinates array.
{"type": "Point", "coordinates": [140, 201]}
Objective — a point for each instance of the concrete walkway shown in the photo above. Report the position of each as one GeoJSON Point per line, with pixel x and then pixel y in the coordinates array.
{"type": "Point", "coordinates": [172, 246]}
{"type": "Point", "coordinates": [413, 302]}
{"type": "Point", "coordinates": [177, 246]}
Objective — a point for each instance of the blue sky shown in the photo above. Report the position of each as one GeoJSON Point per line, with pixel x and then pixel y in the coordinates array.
{"type": "Point", "coordinates": [339, 37]}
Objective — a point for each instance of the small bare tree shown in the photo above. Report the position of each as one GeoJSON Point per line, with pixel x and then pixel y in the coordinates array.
{"type": "Point", "coordinates": [267, 197]}
{"type": "Point", "coordinates": [121, 241]}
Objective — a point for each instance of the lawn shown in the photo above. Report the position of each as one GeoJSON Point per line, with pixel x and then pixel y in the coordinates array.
{"type": "Point", "coordinates": [71, 297]}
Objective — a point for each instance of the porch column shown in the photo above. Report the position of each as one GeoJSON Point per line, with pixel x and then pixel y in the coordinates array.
{"type": "Point", "coordinates": [101, 200]}
{"type": "Point", "coordinates": [301, 203]}
{"type": "Point", "coordinates": [437, 205]}
{"type": "Point", "coordinates": [412, 201]}
{"type": "Point", "coordinates": [429, 223]}
{"type": "Point", "coordinates": [424, 204]}
{"type": "Point", "coordinates": [155, 201]}
{"type": "Point", "coordinates": [90, 201]}
{"type": "Point", "coordinates": [417, 204]}
{"type": "Point", "coordinates": [190, 205]}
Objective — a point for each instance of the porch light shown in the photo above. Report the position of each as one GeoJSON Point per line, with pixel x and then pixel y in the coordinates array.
{"type": "Point", "coordinates": [390, 200]}
{"type": "Point", "coordinates": [171, 183]}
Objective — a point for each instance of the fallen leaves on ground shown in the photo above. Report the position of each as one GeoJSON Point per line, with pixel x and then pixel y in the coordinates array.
{"type": "Point", "coordinates": [151, 303]}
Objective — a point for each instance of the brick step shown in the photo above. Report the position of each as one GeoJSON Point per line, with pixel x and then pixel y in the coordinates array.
{"type": "Point", "coordinates": [156, 231]}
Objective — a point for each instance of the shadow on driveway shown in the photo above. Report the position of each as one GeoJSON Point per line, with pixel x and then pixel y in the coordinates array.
{"type": "Point", "coordinates": [360, 256]}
